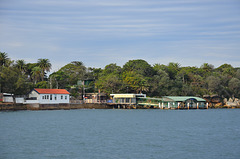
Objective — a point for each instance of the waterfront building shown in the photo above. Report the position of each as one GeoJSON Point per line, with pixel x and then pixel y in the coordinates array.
{"type": "Point", "coordinates": [175, 102]}
{"type": "Point", "coordinates": [165, 102]}
{"type": "Point", "coordinates": [47, 96]}
{"type": "Point", "coordinates": [95, 98]}
{"type": "Point", "coordinates": [126, 99]}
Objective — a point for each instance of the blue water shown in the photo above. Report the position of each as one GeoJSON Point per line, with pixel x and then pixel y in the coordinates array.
{"type": "Point", "coordinates": [126, 134]}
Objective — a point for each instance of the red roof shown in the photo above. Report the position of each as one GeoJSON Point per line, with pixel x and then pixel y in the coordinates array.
{"type": "Point", "coordinates": [51, 91]}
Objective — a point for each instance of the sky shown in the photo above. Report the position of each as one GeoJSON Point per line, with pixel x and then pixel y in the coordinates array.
{"type": "Point", "coordinates": [100, 32]}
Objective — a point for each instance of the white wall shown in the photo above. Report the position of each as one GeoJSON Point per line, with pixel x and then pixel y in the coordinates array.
{"type": "Point", "coordinates": [34, 94]}
{"type": "Point", "coordinates": [46, 98]}
{"type": "Point", "coordinates": [53, 98]}
{"type": "Point", "coordinates": [19, 100]}
{"type": "Point", "coordinates": [8, 99]}
{"type": "Point", "coordinates": [31, 102]}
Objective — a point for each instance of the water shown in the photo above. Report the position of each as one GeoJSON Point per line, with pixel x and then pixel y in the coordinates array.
{"type": "Point", "coordinates": [126, 134]}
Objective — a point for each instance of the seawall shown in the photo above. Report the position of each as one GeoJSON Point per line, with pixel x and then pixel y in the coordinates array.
{"type": "Point", "coordinates": [13, 107]}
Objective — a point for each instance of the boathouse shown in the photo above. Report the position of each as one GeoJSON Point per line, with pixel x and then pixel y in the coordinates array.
{"type": "Point", "coordinates": [189, 102]}
{"type": "Point", "coordinates": [126, 99]}
{"type": "Point", "coordinates": [47, 96]}
{"type": "Point", "coordinates": [147, 102]}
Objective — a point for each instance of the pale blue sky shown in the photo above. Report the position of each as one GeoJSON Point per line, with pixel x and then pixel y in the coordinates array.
{"type": "Point", "coordinates": [100, 32]}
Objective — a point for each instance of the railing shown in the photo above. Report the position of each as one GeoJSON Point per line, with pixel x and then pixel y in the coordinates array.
{"type": "Point", "coordinates": [94, 101]}
{"type": "Point", "coordinates": [87, 101]}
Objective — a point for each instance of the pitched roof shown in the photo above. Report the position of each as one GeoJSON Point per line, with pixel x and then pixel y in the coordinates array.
{"type": "Point", "coordinates": [183, 98]}
{"type": "Point", "coordinates": [51, 91]}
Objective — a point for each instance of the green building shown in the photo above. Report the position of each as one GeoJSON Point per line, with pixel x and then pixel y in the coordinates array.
{"type": "Point", "coordinates": [173, 102]}
{"type": "Point", "coordinates": [166, 102]}
{"type": "Point", "coordinates": [183, 102]}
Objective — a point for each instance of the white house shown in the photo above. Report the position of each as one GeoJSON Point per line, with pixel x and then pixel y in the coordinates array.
{"type": "Point", "coordinates": [48, 96]}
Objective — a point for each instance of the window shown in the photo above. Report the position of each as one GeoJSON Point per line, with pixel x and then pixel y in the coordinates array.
{"type": "Point", "coordinates": [66, 97]}
{"type": "Point", "coordinates": [47, 96]}
{"type": "Point", "coordinates": [50, 97]}
{"type": "Point", "coordinates": [42, 97]}
{"type": "Point", "coordinates": [121, 100]}
{"type": "Point", "coordinates": [127, 100]}
{"type": "Point", "coordinates": [61, 96]}
{"type": "Point", "coordinates": [55, 97]}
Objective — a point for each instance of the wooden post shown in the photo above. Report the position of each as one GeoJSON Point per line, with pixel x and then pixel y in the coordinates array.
{"type": "Point", "coordinates": [178, 105]}
{"type": "Point", "coordinates": [188, 105]}
{"type": "Point", "coordinates": [197, 105]}
{"type": "Point", "coordinates": [207, 105]}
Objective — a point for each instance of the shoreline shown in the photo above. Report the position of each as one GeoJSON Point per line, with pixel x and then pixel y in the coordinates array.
{"type": "Point", "coordinates": [16, 107]}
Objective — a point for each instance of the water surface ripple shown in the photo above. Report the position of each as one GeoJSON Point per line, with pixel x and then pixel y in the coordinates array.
{"type": "Point", "coordinates": [126, 134]}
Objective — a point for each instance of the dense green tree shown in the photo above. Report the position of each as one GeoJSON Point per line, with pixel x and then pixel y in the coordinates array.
{"type": "Point", "coordinates": [213, 84]}
{"type": "Point", "coordinates": [238, 74]}
{"type": "Point", "coordinates": [94, 73]}
{"type": "Point", "coordinates": [136, 76]}
{"type": "Point", "coordinates": [137, 82]}
{"type": "Point", "coordinates": [157, 67]}
{"type": "Point", "coordinates": [109, 83]}
{"type": "Point", "coordinates": [74, 71]}
{"type": "Point", "coordinates": [226, 69]}
{"type": "Point", "coordinates": [112, 69]}
{"type": "Point", "coordinates": [140, 67]}
{"type": "Point", "coordinates": [42, 84]}
{"type": "Point", "coordinates": [160, 83]}
{"type": "Point", "coordinates": [207, 68]}
{"type": "Point", "coordinates": [173, 69]}
{"type": "Point", "coordinates": [234, 86]}
{"type": "Point", "coordinates": [110, 79]}
{"type": "Point", "coordinates": [12, 81]}
{"type": "Point", "coordinates": [59, 80]}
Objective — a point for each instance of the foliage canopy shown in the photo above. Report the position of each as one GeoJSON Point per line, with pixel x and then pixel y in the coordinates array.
{"type": "Point", "coordinates": [136, 76]}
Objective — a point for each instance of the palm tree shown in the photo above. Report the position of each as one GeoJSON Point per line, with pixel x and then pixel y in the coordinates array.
{"type": "Point", "coordinates": [3, 58]}
{"type": "Point", "coordinates": [36, 74]}
{"type": "Point", "coordinates": [77, 63]}
{"type": "Point", "coordinates": [21, 65]}
{"type": "Point", "coordinates": [45, 65]}
{"type": "Point", "coordinates": [207, 67]}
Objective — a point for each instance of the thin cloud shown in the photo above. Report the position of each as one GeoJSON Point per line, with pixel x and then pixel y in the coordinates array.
{"type": "Point", "coordinates": [102, 32]}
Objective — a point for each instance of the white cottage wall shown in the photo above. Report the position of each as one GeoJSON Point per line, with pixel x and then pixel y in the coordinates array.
{"type": "Point", "coordinates": [53, 98]}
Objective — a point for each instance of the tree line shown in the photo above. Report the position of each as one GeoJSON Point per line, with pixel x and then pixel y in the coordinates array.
{"type": "Point", "coordinates": [135, 76]}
